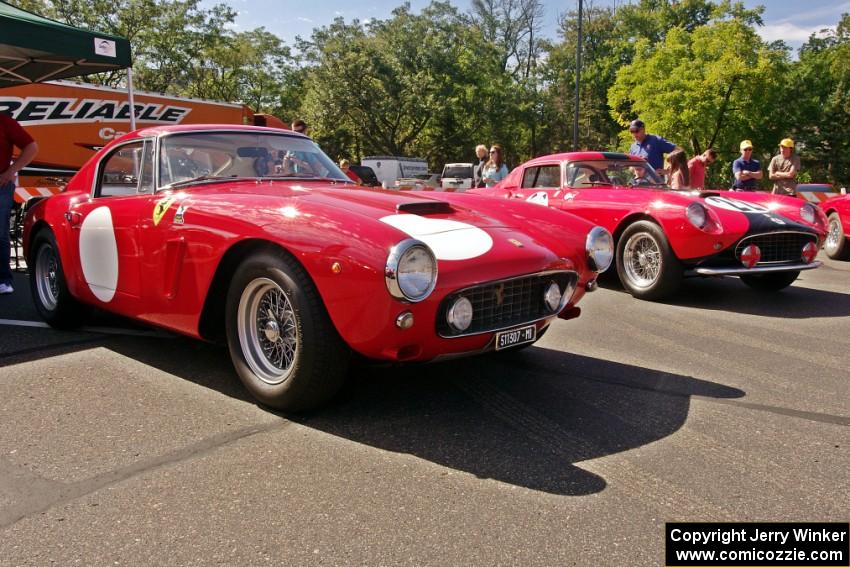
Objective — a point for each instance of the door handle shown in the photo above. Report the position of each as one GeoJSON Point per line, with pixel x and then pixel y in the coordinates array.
{"type": "Point", "coordinates": [73, 218]}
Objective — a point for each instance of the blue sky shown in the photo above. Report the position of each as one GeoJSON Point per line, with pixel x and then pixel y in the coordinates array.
{"type": "Point", "coordinates": [790, 20]}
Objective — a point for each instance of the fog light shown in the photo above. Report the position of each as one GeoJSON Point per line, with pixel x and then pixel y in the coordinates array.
{"type": "Point", "coordinates": [809, 252]}
{"type": "Point", "coordinates": [750, 256]}
{"type": "Point", "coordinates": [552, 297]}
{"type": "Point", "coordinates": [404, 320]}
{"type": "Point", "coordinates": [459, 315]}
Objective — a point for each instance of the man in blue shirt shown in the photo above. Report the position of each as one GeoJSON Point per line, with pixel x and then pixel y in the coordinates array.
{"type": "Point", "coordinates": [649, 146]}
{"type": "Point", "coordinates": [747, 171]}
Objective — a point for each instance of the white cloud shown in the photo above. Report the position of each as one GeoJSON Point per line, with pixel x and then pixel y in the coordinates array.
{"type": "Point", "coordinates": [303, 19]}
{"type": "Point", "coordinates": [790, 33]}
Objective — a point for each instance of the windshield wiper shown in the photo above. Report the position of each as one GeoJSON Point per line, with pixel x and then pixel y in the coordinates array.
{"type": "Point", "coordinates": [201, 179]}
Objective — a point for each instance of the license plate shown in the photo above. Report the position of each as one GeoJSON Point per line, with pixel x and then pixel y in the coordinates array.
{"type": "Point", "coordinates": [514, 337]}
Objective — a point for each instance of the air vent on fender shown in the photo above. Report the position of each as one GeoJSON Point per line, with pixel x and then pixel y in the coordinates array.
{"type": "Point", "coordinates": [425, 208]}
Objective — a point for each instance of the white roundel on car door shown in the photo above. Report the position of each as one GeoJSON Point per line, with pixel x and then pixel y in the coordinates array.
{"type": "Point", "coordinates": [99, 253]}
{"type": "Point", "coordinates": [539, 198]}
{"type": "Point", "coordinates": [448, 239]}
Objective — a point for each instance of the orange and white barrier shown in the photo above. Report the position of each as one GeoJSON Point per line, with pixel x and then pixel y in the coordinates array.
{"type": "Point", "coordinates": [24, 194]}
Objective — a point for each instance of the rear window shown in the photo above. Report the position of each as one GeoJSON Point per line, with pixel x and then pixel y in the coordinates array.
{"type": "Point", "coordinates": [463, 171]}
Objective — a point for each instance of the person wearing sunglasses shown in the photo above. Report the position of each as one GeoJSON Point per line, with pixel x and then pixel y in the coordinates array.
{"type": "Point", "coordinates": [747, 170]}
{"type": "Point", "coordinates": [495, 170]}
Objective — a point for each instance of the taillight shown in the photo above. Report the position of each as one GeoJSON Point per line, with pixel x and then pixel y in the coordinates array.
{"type": "Point", "coordinates": [750, 256]}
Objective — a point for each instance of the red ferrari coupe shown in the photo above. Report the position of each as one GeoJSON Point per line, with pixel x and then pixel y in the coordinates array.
{"type": "Point", "coordinates": [837, 210]}
{"type": "Point", "coordinates": [662, 235]}
{"type": "Point", "coordinates": [253, 236]}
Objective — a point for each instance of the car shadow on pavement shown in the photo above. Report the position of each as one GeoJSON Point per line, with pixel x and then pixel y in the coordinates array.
{"type": "Point", "coordinates": [732, 295]}
{"type": "Point", "coordinates": [526, 418]}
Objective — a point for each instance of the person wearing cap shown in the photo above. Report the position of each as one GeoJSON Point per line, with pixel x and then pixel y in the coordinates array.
{"type": "Point", "coordinates": [649, 146]}
{"type": "Point", "coordinates": [783, 169]}
{"type": "Point", "coordinates": [747, 171]}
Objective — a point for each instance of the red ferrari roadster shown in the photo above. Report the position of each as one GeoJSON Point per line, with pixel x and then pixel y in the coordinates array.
{"type": "Point", "coordinates": [253, 236]}
{"type": "Point", "coordinates": [837, 210]}
{"type": "Point", "coordinates": [662, 235]}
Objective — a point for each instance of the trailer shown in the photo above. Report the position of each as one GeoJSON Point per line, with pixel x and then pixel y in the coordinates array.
{"type": "Point", "coordinates": [70, 121]}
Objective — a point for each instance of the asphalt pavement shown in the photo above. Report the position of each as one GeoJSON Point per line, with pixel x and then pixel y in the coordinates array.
{"type": "Point", "coordinates": [124, 445]}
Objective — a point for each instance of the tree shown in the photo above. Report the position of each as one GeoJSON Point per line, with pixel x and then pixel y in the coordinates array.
{"type": "Point", "coordinates": [818, 104]}
{"type": "Point", "coordinates": [711, 87]}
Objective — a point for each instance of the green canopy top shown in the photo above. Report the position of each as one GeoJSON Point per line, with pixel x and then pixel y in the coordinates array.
{"type": "Point", "coordinates": [35, 49]}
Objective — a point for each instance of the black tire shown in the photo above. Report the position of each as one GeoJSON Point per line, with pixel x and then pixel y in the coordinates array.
{"type": "Point", "coordinates": [647, 267]}
{"type": "Point", "coordinates": [49, 289]}
{"type": "Point", "coordinates": [282, 342]}
{"type": "Point", "coordinates": [836, 245]}
{"type": "Point", "coordinates": [772, 282]}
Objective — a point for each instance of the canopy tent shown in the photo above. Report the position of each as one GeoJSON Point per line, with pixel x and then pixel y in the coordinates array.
{"type": "Point", "coordinates": [35, 49]}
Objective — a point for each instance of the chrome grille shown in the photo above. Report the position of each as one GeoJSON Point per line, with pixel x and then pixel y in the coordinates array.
{"type": "Point", "coordinates": [504, 303]}
{"type": "Point", "coordinates": [777, 247]}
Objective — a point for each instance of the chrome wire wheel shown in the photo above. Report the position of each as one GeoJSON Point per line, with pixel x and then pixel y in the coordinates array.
{"type": "Point", "coordinates": [642, 260]}
{"type": "Point", "coordinates": [834, 235]}
{"type": "Point", "coordinates": [268, 331]}
{"type": "Point", "coordinates": [46, 277]}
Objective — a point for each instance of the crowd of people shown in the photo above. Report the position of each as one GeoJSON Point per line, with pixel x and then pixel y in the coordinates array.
{"type": "Point", "coordinates": [682, 173]}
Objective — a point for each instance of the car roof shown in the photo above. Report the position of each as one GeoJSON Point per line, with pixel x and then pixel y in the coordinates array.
{"type": "Point", "coordinates": [186, 128]}
{"type": "Point", "coordinates": [582, 156]}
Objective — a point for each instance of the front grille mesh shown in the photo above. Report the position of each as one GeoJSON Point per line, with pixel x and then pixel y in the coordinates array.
{"type": "Point", "coordinates": [504, 303]}
{"type": "Point", "coordinates": [777, 247]}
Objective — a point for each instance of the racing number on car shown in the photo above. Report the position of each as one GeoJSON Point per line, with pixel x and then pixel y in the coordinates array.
{"type": "Point", "coordinates": [735, 205]}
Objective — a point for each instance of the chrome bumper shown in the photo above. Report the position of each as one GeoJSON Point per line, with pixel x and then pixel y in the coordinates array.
{"type": "Point", "coordinates": [756, 270]}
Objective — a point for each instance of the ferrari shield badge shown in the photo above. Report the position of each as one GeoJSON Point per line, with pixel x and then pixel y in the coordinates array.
{"type": "Point", "coordinates": [161, 208]}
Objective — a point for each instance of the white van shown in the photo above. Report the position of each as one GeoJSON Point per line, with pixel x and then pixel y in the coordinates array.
{"type": "Point", "coordinates": [456, 177]}
{"type": "Point", "coordinates": [390, 168]}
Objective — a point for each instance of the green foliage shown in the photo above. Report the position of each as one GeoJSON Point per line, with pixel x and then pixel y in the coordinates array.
{"type": "Point", "coordinates": [436, 83]}
{"type": "Point", "coordinates": [819, 104]}
{"type": "Point", "coordinates": [710, 87]}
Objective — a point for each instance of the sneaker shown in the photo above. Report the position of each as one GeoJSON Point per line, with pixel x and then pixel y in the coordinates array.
{"type": "Point", "coordinates": [6, 288]}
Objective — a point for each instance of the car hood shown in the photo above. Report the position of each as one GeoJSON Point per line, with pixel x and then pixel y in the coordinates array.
{"type": "Point", "coordinates": [377, 203]}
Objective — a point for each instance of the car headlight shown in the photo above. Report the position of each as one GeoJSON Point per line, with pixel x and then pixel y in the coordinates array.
{"type": "Point", "coordinates": [697, 214]}
{"type": "Point", "coordinates": [808, 213]}
{"type": "Point", "coordinates": [460, 313]}
{"type": "Point", "coordinates": [411, 271]}
{"type": "Point", "coordinates": [600, 249]}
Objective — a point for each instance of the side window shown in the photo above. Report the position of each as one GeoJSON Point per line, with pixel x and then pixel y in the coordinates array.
{"type": "Point", "coordinates": [583, 176]}
{"type": "Point", "coordinates": [121, 171]}
{"type": "Point", "coordinates": [549, 177]}
{"type": "Point", "coordinates": [542, 177]}
{"type": "Point", "coordinates": [529, 177]}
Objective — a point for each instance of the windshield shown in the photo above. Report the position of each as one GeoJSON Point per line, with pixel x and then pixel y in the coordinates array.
{"type": "Point", "coordinates": [612, 172]}
{"type": "Point", "coordinates": [461, 171]}
{"type": "Point", "coordinates": [216, 155]}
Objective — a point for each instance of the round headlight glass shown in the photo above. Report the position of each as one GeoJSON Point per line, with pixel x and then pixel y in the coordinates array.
{"type": "Point", "coordinates": [807, 212]}
{"type": "Point", "coordinates": [600, 249]}
{"type": "Point", "coordinates": [697, 214]}
{"type": "Point", "coordinates": [552, 297]}
{"type": "Point", "coordinates": [411, 271]}
{"type": "Point", "coordinates": [459, 315]}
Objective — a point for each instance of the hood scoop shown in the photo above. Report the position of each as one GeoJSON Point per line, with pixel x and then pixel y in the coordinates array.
{"type": "Point", "coordinates": [425, 208]}
{"type": "Point", "coordinates": [704, 194]}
